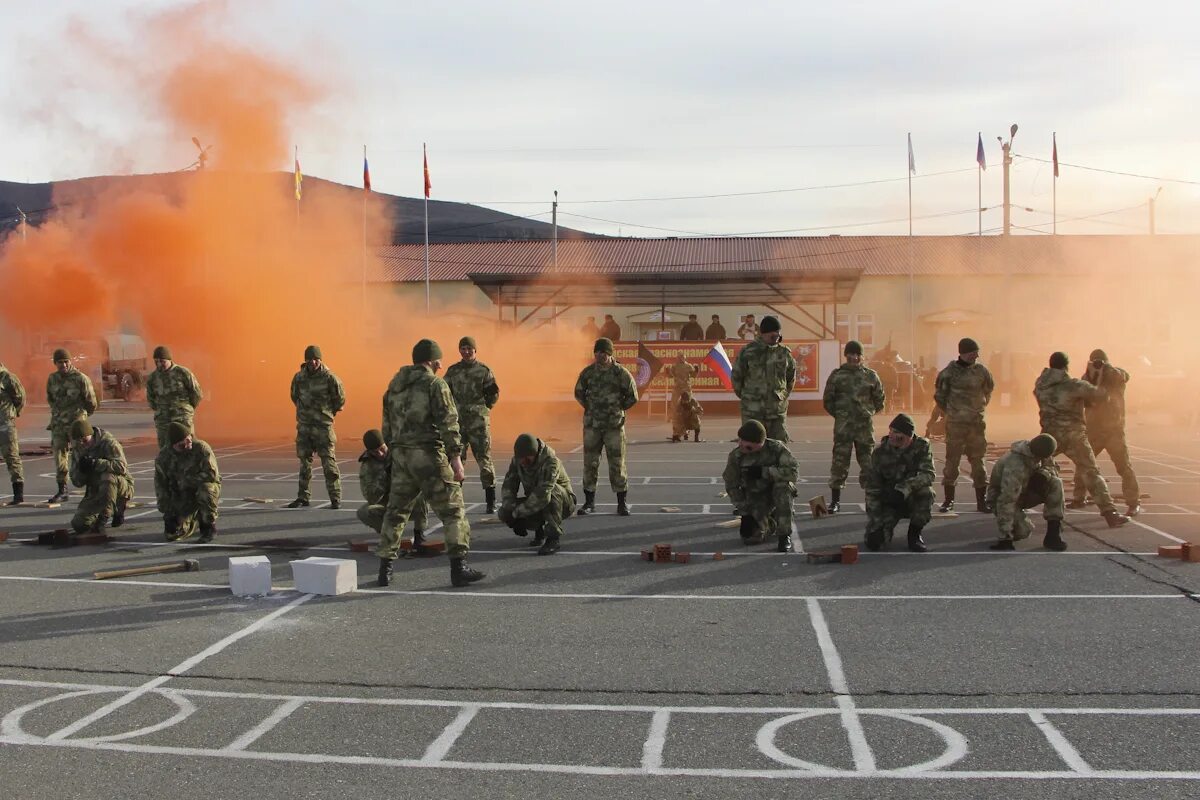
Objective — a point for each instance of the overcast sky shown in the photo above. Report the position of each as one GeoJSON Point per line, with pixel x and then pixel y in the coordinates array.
{"type": "Point", "coordinates": [665, 99]}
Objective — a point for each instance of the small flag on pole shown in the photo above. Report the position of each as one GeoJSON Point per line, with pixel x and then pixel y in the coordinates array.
{"type": "Point", "coordinates": [1054, 156]}
{"type": "Point", "coordinates": [912, 161]}
{"type": "Point", "coordinates": [718, 360]}
{"type": "Point", "coordinates": [428, 185]}
{"type": "Point", "coordinates": [366, 172]}
{"type": "Point", "coordinates": [299, 177]}
{"type": "Point", "coordinates": [979, 158]}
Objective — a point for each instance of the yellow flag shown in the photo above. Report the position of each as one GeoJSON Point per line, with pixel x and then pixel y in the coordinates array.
{"type": "Point", "coordinates": [299, 178]}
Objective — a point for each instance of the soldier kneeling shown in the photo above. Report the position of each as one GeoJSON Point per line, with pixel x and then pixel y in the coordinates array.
{"type": "Point", "coordinates": [187, 484]}
{"type": "Point", "coordinates": [760, 479]}
{"type": "Point", "coordinates": [1023, 478]}
{"type": "Point", "coordinates": [549, 497]}
{"type": "Point", "coordinates": [685, 416]}
{"type": "Point", "coordinates": [898, 485]}
{"type": "Point", "coordinates": [375, 482]}
{"type": "Point", "coordinates": [98, 465]}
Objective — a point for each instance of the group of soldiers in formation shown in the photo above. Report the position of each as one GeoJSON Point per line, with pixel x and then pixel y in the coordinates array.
{"type": "Point", "coordinates": [415, 459]}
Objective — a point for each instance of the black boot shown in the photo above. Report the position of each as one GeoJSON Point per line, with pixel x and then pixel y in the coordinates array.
{"type": "Point", "coordinates": [749, 530]}
{"type": "Point", "coordinates": [589, 503]}
{"type": "Point", "coordinates": [461, 574]}
{"type": "Point", "coordinates": [18, 494]}
{"type": "Point", "coordinates": [1053, 540]}
{"type": "Point", "coordinates": [1114, 518]}
{"type": "Point", "coordinates": [915, 542]}
{"type": "Point", "coordinates": [622, 507]}
{"type": "Point", "coordinates": [334, 505]}
{"type": "Point", "coordinates": [981, 503]}
{"type": "Point", "coordinates": [875, 539]}
{"type": "Point", "coordinates": [489, 494]}
{"type": "Point", "coordinates": [1003, 544]}
{"type": "Point", "coordinates": [835, 500]}
{"type": "Point", "coordinates": [785, 544]}
{"type": "Point", "coordinates": [550, 546]}
{"type": "Point", "coordinates": [539, 537]}
{"type": "Point", "coordinates": [61, 495]}
{"type": "Point", "coordinates": [675, 438]}
{"type": "Point", "coordinates": [119, 513]}
{"type": "Point", "coordinates": [299, 502]}
{"type": "Point", "coordinates": [385, 571]}
{"type": "Point", "coordinates": [208, 531]}
{"type": "Point", "coordinates": [170, 528]}
{"type": "Point", "coordinates": [948, 504]}
{"type": "Point", "coordinates": [418, 537]}
{"type": "Point", "coordinates": [696, 438]}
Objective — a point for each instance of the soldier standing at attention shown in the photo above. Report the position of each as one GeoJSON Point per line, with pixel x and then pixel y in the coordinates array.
{"type": "Point", "coordinates": [12, 403]}
{"type": "Point", "coordinates": [760, 479]}
{"type": "Point", "coordinates": [475, 393]}
{"type": "Point", "coordinates": [899, 485]}
{"type": "Point", "coordinates": [763, 378]}
{"type": "Point", "coordinates": [318, 396]}
{"type": "Point", "coordinates": [691, 330]}
{"type": "Point", "coordinates": [98, 466]}
{"type": "Point", "coordinates": [715, 330]}
{"type": "Point", "coordinates": [173, 394]}
{"type": "Point", "coordinates": [1022, 478]}
{"type": "Point", "coordinates": [71, 397]}
{"type": "Point", "coordinates": [1106, 430]}
{"type": "Point", "coordinates": [187, 485]}
{"type": "Point", "coordinates": [963, 390]}
{"type": "Point", "coordinates": [853, 395]}
{"type": "Point", "coordinates": [537, 494]}
{"type": "Point", "coordinates": [682, 375]}
{"type": "Point", "coordinates": [606, 391]}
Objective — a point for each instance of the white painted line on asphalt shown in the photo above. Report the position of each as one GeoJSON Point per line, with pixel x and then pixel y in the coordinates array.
{"type": "Point", "coordinates": [1164, 534]}
{"type": "Point", "coordinates": [1169, 466]}
{"type": "Point", "coordinates": [440, 747]}
{"type": "Point", "coordinates": [94, 582]}
{"type": "Point", "coordinates": [285, 710]}
{"type": "Point", "coordinates": [1066, 751]}
{"type": "Point", "coordinates": [864, 759]}
{"type": "Point", "coordinates": [656, 740]}
{"type": "Point", "coordinates": [1187, 459]}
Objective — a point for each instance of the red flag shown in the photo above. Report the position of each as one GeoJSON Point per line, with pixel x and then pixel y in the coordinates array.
{"type": "Point", "coordinates": [428, 185]}
{"type": "Point", "coordinates": [1054, 138]}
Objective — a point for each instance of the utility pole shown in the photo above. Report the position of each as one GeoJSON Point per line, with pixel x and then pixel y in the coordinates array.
{"type": "Point", "coordinates": [1007, 148]}
{"type": "Point", "coordinates": [1151, 205]}
{"type": "Point", "coordinates": [554, 220]}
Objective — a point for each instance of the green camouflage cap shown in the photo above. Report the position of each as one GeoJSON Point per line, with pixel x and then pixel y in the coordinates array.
{"type": "Point", "coordinates": [162, 352]}
{"type": "Point", "coordinates": [426, 350]}
{"type": "Point", "coordinates": [753, 431]}
{"type": "Point", "coordinates": [312, 352]}
{"type": "Point", "coordinates": [81, 428]}
{"type": "Point", "coordinates": [467, 341]}
{"type": "Point", "coordinates": [603, 345]}
{"type": "Point", "coordinates": [61, 354]}
{"type": "Point", "coordinates": [177, 432]}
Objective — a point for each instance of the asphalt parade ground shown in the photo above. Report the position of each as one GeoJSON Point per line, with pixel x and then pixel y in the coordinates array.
{"type": "Point", "coordinates": [958, 673]}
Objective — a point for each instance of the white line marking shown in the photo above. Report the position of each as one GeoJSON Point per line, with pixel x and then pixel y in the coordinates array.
{"type": "Point", "coordinates": [94, 582]}
{"type": "Point", "coordinates": [285, 710]}
{"type": "Point", "coordinates": [440, 747]}
{"type": "Point", "coordinates": [576, 449]}
{"type": "Point", "coordinates": [1066, 751]}
{"type": "Point", "coordinates": [656, 741]}
{"type": "Point", "coordinates": [1152, 529]}
{"type": "Point", "coordinates": [864, 759]}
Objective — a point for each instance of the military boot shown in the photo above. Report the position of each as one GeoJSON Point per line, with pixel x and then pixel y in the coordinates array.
{"type": "Point", "coordinates": [119, 513]}
{"type": "Point", "coordinates": [170, 528]}
{"type": "Point", "coordinates": [550, 546]}
{"type": "Point", "coordinates": [1134, 509]}
{"type": "Point", "coordinates": [418, 537]}
{"type": "Point", "coordinates": [589, 504]}
{"type": "Point", "coordinates": [18, 494]}
{"type": "Point", "coordinates": [299, 502]}
{"type": "Point", "coordinates": [335, 503]}
{"type": "Point", "coordinates": [835, 500]}
{"type": "Point", "coordinates": [461, 574]}
{"type": "Point", "coordinates": [696, 438]}
{"type": "Point", "coordinates": [539, 536]}
{"type": "Point", "coordinates": [1006, 544]}
{"type": "Point", "coordinates": [489, 495]}
{"type": "Point", "coordinates": [675, 438]}
{"type": "Point", "coordinates": [1114, 518]}
{"type": "Point", "coordinates": [208, 531]}
{"type": "Point", "coordinates": [875, 539]}
{"type": "Point", "coordinates": [981, 503]}
{"type": "Point", "coordinates": [915, 541]}
{"type": "Point", "coordinates": [385, 571]}
{"type": "Point", "coordinates": [61, 495]}
{"type": "Point", "coordinates": [948, 504]}
{"type": "Point", "coordinates": [749, 530]}
{"type": "Point", "coordinates": [622, 506]}
{"type": "Point", "coordinates": [785, 544]}
{"type": "Point", "coordinates": [1053, 540]}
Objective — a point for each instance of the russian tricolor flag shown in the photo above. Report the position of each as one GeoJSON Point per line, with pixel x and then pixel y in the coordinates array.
{"type": "Point", "coordinates": [718, 360]}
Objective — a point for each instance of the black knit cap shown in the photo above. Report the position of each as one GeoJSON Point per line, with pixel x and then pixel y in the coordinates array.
{"type": "Point", "coordinates": [967, 345]}
{"type": "Point", "coordinates": [426, 350]}
{"type": "Point", "coordinates": [467, 341]}
{"type": "Point", "coordinates": [525, 445]}
{"type": "Point", "coordinates": [373, 439]}
{"type": "Point", "coordinates": [162, 352]}
{"type": "Point", "coordinates": [1059, 360]}
{"type": "Point", "coordinates": [312, 352]}
{"type": "Point", "coordinates": [853, 348]}
{"type": "Point", "coordinates": [753, 431]}
{"type": "Point", "coordinates": [603, 345]}
{"type": "Point", "coordinates": [177, 432]}
{"type": "Point", "coordinates": [1043, 445]}
{"type": "Point", "coordinates": [904, 424]}
{"type": "Point", "coordinates": [769, 325]}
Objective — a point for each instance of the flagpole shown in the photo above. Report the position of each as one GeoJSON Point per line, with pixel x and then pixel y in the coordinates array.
{"type": "Point", "coordinates": [979, 175]}
{"type": "Point", "coordinates": [425, 154]}
{"type": "Point", "coordinates": [366, 191]}
{"type": "Point", "coordinates": [296, 154]}
{"type": "Point", "coordinates": [912, 330]}
{"type": "Point", "coordinates": [1054, 216]}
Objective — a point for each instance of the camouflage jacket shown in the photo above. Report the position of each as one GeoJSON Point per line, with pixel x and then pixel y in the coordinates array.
{"type": "Point", "coordinates": [419, 411]}
{"type": "Point", "coordinates": [682, 375]}
{"type": "Point", "coordinates": [537, 482]}
{"type": "Point", "coordinates": [1010, 476]}
{"type": "Point", "coordinates": [375, 478]}
{"type": "Point", "coordinates": [853, 394]}
{"type": "Point", "coordinates": [179, 474]}
{"type": "Point", "coordinates": [1060, 400]}
{"type": "Point", "coordinates": [687, 414]}
{"type": "Point", "coordinates": [106, 454]}
{"type": "Point", "coordinates": [778, 467]}
{"type": "Point", "coordinates": [474, 388]}
{"type": "Point", "coordinates": [764, 374]}
{"type": "Point", "coordinates": [605, 393]}
{"type": "Point", "coordinates": [908, 469]}
{"type": "Point", "coordinates": [318, 396]}
{"type": "Point", "coordinates": [1108, 414]}
{"type": "Point", "coordinates": [173, 394]}
{"type": "Point", "coordinates": [963, 391]}
{"type": "Point", "coordinates": [71, 397]}
{"type": "Point", "coordinates": [12, 396]}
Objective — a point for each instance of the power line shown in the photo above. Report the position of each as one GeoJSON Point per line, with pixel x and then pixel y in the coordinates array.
{"type": "Point", "coordinates": [1109, 171]}
{"type": "Point", "coordinates": [771, 232]}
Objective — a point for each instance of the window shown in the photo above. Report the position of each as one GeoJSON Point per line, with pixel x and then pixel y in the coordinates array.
{"type": "Point", "coordinates": [865, 327]}
{"type": "Point", "coordinates": [843, 328]}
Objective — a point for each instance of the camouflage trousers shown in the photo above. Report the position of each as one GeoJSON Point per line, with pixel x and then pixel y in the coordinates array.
{"type": "Point", "coordinates": [969, 439]}
{"type": "Point", "coordinates": [610, 441]}
{"type": "Point", "coordinates": [417, 473]}
{"type": "Point", "coordinates": [100, 500]}
{"type": "Point", "coordinates": [372, 515]}
{"type": "Point", "coordinates": [775, 425]}
{"type": "Point", "coordinates": [60, 446]}
{"type": "Point", "coordinates": [1118, 451]}
{"type": "Point", "coordinates": [884, 513]}
{"type": "Point", "coordinates": [10, 450]}
{"type": "Point", "coordinates": [160, 427]}
{"type": "Point", "coordinates": [1042, 490]}
{"type": "Point", "coordinates": [549, 519]}
{"type": "Point", "coordinates": [1074, 445]}
{"type": "Point", "coordinates": [681, 424]}
{"type": "Point", "coordinates": [839, 469]}
{"type": "Point", "coordinates": [196, 508]}
{"type": "Point", "coordinates": [771, 510]}
{"type": "Point", "coordinates": [321, 440]}
{"type": "Point", "coordinates": [477, 435]}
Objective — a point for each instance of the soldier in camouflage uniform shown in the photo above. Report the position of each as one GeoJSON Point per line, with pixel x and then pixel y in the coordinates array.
{"type": "Point", "coordinates": [71, 397]}
{"type": "Point", "coordinates": [12, 403]}
{"type": "Point", "coordinates": [682, 374]}
{"type": "Point", "coordinates": [760, 479]}
{"type": "Point", "coordinates": [1060, 406]}
{"type": "Point", "coordinates": [606, 391]}
{"type": "Point", "coordinates": [375, 481]}
{"type": "Point", "coordinates": [537, 494]}
{"type": "Point", "coordinates": [173, 394]}
{"type": "Point", "coordinates": [899, 485]}
{"type": "Point", "coordinates": [318, 396]}
{"type": "Point", "coordinates": [685, 416]}
{"type": "Point", "coordinates": [963, 390]}
{"type": "Point", "coordinates": [98, 466]}
{"type": "Point", "coordinates": [475, 393]}
{"type": "Point", "coordinates": [1106, 430]}
{"type": "Point", "coordinates": [853, 395]}
{"type": "Point", "coordinates": [1022, 478]}
{"type": "Point", "coordinates": [187, 485]}
{"type": "Point", "coordinates": [420, 426]}
{"type": "Point", "coordinates": [763, 377]}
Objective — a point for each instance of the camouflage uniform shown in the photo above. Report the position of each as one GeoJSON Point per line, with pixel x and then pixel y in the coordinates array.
{"type": "Point", "coordinates": [173, 396]}
{"type": "Point", "coordinates": [910, 472]}
{"type": "Point", "coordinates": [763, 378]}
{"type": "Point", "coordinates": [1021, 480]}
{"type": "Point", "coordinates": [682, 374]}
{"type": "Point", "coordinates": [685, 416]}
{"type": "Point", "coordinates": [853, 394]}
{"type": "Point", "coordinates": [475, 393]}
{"type": "Point", "coordinates": [420, 426]}
{"type": "Point", "coordinates": [605, 393]}
{"type": "Point", "coordinates": [963, 391]}
{"type": "Point", "coordinates": [1060, 407]}
{"type": "Point", "coordinates": [767, 498]}
{"type": "Point", "coordinates": [318, 395]}
{"type": "Point", "coordinates": [12, 402]}
{"type": "Point", "coordinates": [187, 485]}
{"type": "Point", "coordinates": [1106, 431]}
{"type": "Point", "coordinates": [71, 397]}
{"type": "Point", "coordinates": [375, 481]}
{"type": "Point", "coordinates": [539, 496]}
{"type": "Point", "coordinates": [105, 479]}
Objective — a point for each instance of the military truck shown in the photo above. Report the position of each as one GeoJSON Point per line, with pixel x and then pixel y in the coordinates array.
{"type": "Point", "coordinates": [117, 363]}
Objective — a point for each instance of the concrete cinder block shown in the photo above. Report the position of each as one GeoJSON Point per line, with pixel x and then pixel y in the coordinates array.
{"type": "Point", "coordinates": [250, 576]}
{"type": "Point", "coordinates": [319, 575]}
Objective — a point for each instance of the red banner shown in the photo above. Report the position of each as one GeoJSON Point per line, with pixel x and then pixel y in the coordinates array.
{"type": "Point", "coordinates": [706, 382]}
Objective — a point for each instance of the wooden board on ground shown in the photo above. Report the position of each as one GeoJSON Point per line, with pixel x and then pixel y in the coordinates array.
{"type": "Point", "coordinates": [670, 509]}
{"type": "Point", "coordinates": [487, 521]}
{"type": "Point", "coordinates": [47, 505]}
{"type": "Point", "coordinates": [257, 500]}
{"type": "Point", "coordinates": [732, 523]}
{"type": "Point", "coordinates": [945, 515]}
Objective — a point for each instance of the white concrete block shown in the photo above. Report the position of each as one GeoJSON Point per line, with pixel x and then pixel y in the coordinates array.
{"type": "Point", "coordinates": [250, 576]}
{"type": "Point", "coordinates": [318, 575]}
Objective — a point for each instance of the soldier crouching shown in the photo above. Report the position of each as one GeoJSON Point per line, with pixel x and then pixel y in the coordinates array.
{"type": "Point", "coordinates": [97, 465]}
{"type": "Point", "coordinates": [760, 479]}
{"type": "Point", "coordinates": [187, 485]}
{"type": "Point", "coordinates": [549, 498]}
{"type": "Point", "coordinates": [685, 416]}
{"type": "Point", "coordinates": [898, 485]}
{"type": "Point", "coordinates": [1023, 478]}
